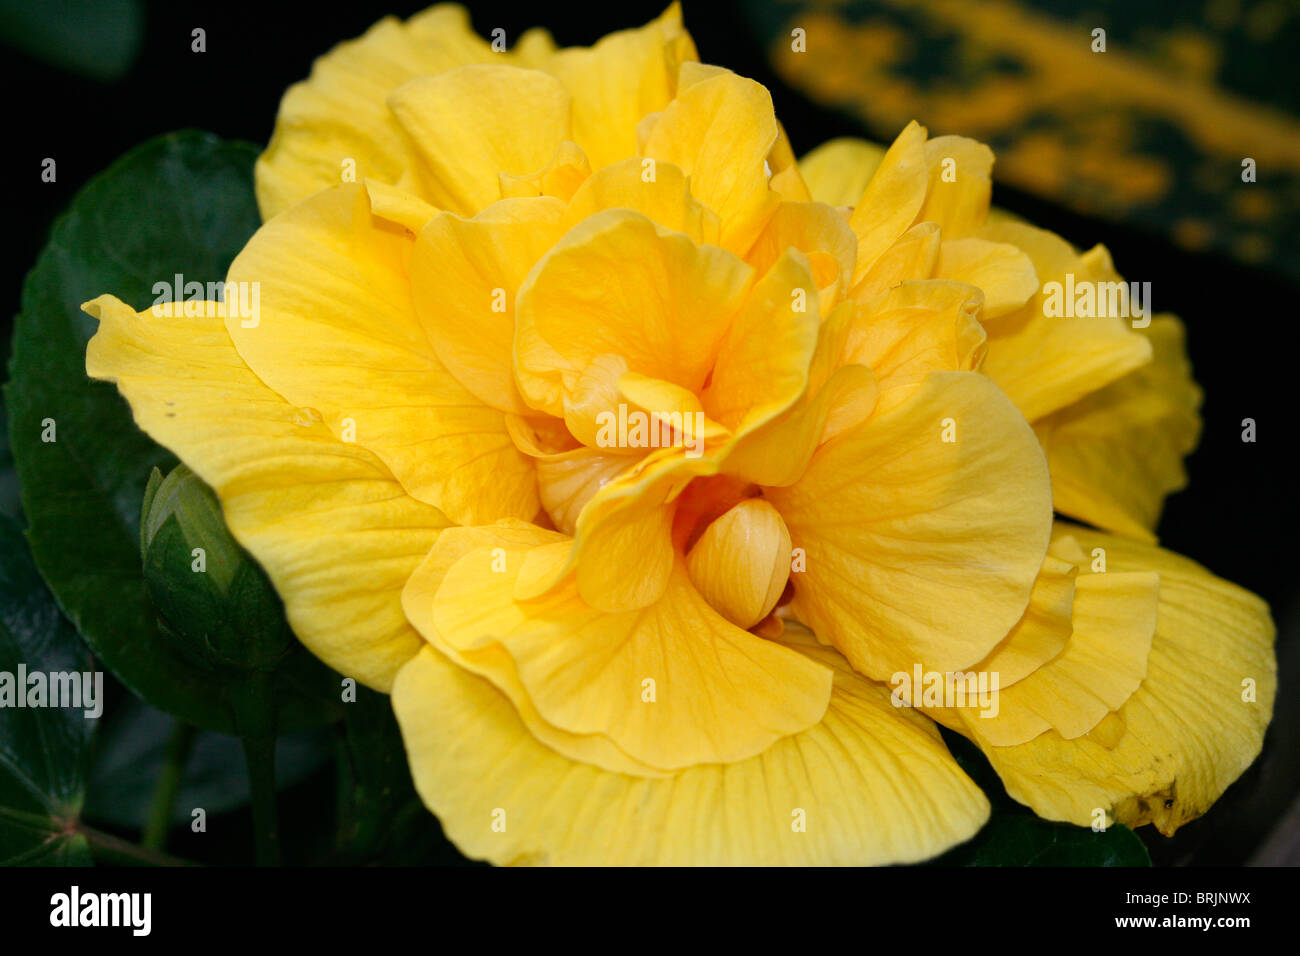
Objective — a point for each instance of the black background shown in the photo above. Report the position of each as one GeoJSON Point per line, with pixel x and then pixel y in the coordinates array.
{"type": "Point", "coordinates": [1238, 517]}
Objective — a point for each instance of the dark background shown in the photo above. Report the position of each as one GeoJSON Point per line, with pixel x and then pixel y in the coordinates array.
{"type": "Point", "coordinates": [1238, 517]}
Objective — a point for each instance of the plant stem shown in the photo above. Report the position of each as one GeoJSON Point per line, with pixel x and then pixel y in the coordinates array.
{"type": "Point", "coordinates": [259, 753]}
{"type": "Point", "coordinates": [255, 723]}
{"type": "Point", "coordinates": [169, 783]}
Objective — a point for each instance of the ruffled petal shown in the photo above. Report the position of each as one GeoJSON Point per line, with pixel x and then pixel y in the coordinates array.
{"type": "Point", "coordinates": [470, 124]}
{"type": "Point", "coordinates": [339, 113]}
{"type": "Point", "coordinates": [868, 785]}
{"type": "Point", "coordinates": [1116, 454]}
{"type": "Point", "coordinates": [338, 332]}
{"type": "Point", "coordinates": [719, 693]}
{"type": "Point", "coordinates": [333, 528]}
{"type": "Point", "coordinates": [924, 529]}
{"type": "Point", "coordinates": [1196, 722]}
{"type": "Point", "coordinates": [720, 131]}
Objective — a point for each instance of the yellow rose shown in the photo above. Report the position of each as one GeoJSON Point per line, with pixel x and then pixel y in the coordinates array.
{"type": "Point", "coordinates": [645, 469]}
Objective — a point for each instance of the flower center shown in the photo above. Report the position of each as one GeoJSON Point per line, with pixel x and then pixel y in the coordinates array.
{"type": "Point", "coordinates": [737, 548]}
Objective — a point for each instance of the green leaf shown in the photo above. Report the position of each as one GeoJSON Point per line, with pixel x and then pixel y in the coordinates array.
{"type": "Point", "coordinates": [43, 750]}
{"type": "Point", "coordinates": [1025, 840]}
{"type": "Point", "coordinates": [182, 203]}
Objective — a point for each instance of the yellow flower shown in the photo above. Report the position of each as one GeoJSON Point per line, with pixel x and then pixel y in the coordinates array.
{"type": "Point", "coordinates": [637, 476]}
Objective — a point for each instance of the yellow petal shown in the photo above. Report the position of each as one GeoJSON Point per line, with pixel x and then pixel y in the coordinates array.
{"type": "Point", "coordinates": [914, 329]}
{"type": "Point", "coordinates": [742, 561]}
{"type": "Point", "coordinates": [474, 122]}
{"type": "Point", "coordinates": [896, 521]}
{"type": "Point", "coordinates": [628, 525]}
{"type": "Point", "coordinates": [1004, 273]}
{"type": "Point", "coordinates": [720, 131]}
{"type": "Point", "coordinates": [334, 530]}
{"type": "Point", "coordinates": [617, 285]}
{"type": "Point", "coordinates": [338, 115]}
{"type": "Point", "coordinates": [786, 179]}
{"type": "Point", "coordinates": [819, 232]}
{"type": "Point", "coordinates": [567, 481]}
{"type": "Point", "coordinates": [1046, 362]}
{"type": "Point", "coordinates": [493, 659]}
{"type": "Point", "coordinates": [715, 697]}
{"type": "Point", "coordinates": [913, 256]}
{"type": "Point", "coordinates": [1104, 662]}
{"type": "Point", "coordinates": [776, 451]}
{"type": "Point", "coordinates": [957, 197]}
{"type": "Point", "coordinates": [837, 172]}
{"type": "Point", "coordinates": [561, 177]}
{"type": "Point", "coordinates": [762, 366]}
{"type": "Point", "coordinates": [398, 206]}
{"type": "Point", "coordinates": [465, 278]}
{"type": "Point", "coordinates": [1193, 726]}
{"type": "Point", "coordinates": [1117, 453]}
{"type": "Point", "coordinates": [892, 199]}
{"type": "Point", "coordinates": [665, 199]}
{"type": "Point", "coordinates": [1042, 632]}
{"type": "Point", "coordinates": [337, 332]}
{"type": "Point", "coordinates": [620, 79]}
{"type": "Point", "coordinates": [871, 784]}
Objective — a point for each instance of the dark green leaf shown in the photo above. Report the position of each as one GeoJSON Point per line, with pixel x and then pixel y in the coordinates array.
{"type": "Point", "coordinates": [43, 750]}
{"type": "Point", "coordinates": [181, 203]}
{"type": "Point", "coordinates": [1025, 840]}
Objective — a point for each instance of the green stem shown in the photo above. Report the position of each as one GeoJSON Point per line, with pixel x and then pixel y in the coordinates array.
{"type": "Point", "coordinates": [259, 753]}
{"type": "Point", "coordinates": [255, 723]}
{"type": "Point", "coordinates": [116, 850]}
{"type": "Point", "coordinates": [169, 783]}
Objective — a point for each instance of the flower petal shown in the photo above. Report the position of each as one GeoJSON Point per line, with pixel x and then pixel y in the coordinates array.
{"type": "Point", "coordinates": [1004, 273]}
{"type": "Point", "coordinates": [913, 329]}
{"type": "Point", "coordinates": [335, 531]}
{"type": "Point", "coordinates": [465, 279]}
{"type": "Point", "coordinates": [617, 285]}
{"type": "Point", "coordinates": [920, 549]}
{"type": "Point", "coordinates": [338, 333]}
{"type": "Point", "coordinates": [1046, 362]}
{"type": "Point", "coordinates": [720, 131]}
{"type": "Point", "coordinates": [665, 200]}
{"type": "Point", "coordinates": [1103, 663]}
{"type": "Point", "coordinates": [762, 365]}
{"type": "Point", "coordinates": [1189, 731]}
{"type": "Point", "coordinates": [1115, 454]}
{"type": "Point", "coordinates": [1044, 630]}
{"type": "Point", "coordinates": [472, 123]}
{"type": "Point", "coordinates": [720, 693]}
{"type": "Point", "coordinates": [872, 784]}
{"type": "Point", "coordinates": [837, 172]}
{"type": "Point", "coordinates": [957, 197]}
{"type": "Point", "coordinates": [620, 79]}
{"type": "Point", "coordinates": [339, 114]}
{"type": "Point", "coordinates": [892, 199]}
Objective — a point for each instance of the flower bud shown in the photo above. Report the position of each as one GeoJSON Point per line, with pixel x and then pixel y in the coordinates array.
{"type": "Point", "coordinates": [212, 598]}
{"type": "Point", "coordinates": [742, 562]}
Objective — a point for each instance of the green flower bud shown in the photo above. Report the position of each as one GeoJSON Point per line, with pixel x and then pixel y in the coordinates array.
{"type": "Point", "coordinates": [213, 599]}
